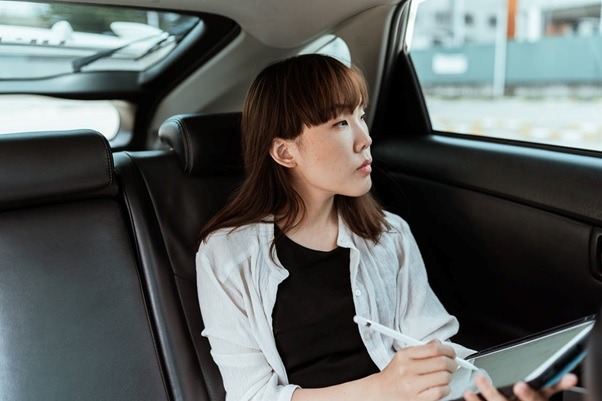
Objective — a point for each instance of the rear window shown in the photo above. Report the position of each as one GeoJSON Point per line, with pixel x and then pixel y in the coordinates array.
{"type": "Point", "coordinates": [46, 39]}
{"type": "Point", "coordinates": [526, 70]}
{"type": "Point", "coordinates": [53, 114]}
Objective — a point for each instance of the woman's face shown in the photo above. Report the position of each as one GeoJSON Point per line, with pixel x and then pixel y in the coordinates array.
{"type": "Point", "coordinates": [334, 157]}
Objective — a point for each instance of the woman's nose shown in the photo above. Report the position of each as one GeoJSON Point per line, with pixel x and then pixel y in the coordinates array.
{"type": "Point", "coordinates": [363, 139]}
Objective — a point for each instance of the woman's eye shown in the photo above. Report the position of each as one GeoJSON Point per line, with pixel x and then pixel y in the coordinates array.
{"type": "Point", "coordinates": [363, 117]}
{"type": "Point", "coordinates": [341, 123]}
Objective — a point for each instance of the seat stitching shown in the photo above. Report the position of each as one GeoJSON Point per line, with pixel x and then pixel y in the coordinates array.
{"type": "Point", "coordinates": [166, 379]}
{"type": "Point", "coordinates": [187, 147]}
{"type": "Point", "coordinates": [107, 155]}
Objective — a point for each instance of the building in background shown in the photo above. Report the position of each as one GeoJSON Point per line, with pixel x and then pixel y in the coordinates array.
{"type": "Point", "coordinates": [509, 47]}
{"type": "Point", "coordinates": [458, 22]}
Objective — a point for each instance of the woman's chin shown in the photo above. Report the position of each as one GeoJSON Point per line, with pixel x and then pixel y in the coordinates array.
{"type": "Point", "coordinates": [360, 189]}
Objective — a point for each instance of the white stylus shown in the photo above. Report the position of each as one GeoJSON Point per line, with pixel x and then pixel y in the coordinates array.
{"type": "Point", "coordinates": [362, 321]}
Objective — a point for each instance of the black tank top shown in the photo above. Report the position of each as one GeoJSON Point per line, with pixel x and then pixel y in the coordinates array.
{"type": "Point", "coordinates": [312, 319]}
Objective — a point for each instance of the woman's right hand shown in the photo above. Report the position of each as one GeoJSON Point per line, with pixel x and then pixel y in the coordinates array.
{"type": "Point", "coordinates": [417, 373]}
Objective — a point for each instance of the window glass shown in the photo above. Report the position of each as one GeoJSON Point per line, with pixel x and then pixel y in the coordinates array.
{"type": "Point", "coordinates": [337, 48]}
{"type": "Point", "coordinates": [46, 39]}
{"type": "Point", "coordinates": [26, 113]}
{"type": "Point", "coordinates": [528, 70]}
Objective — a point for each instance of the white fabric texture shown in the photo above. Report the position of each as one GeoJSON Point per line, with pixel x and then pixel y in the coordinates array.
{"type": "Point", "coordinates": [237, 284]}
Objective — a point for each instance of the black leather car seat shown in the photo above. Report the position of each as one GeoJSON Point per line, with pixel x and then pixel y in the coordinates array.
{"type": "Point", "coordinates": [170, 196]}
{"type": "Point", "coordinates": [74, 323]}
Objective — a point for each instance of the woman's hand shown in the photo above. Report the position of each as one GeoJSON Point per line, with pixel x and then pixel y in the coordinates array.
{"type": "Point", "coordinates": [522, 391]}
{"type": "Point", "coordinates": [417, 373]}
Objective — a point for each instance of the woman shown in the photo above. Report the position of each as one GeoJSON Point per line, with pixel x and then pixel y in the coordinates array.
{"type": "Point", "coordinates": [302, 247]}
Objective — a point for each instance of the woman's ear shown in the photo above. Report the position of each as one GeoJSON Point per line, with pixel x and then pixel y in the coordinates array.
{"type": "Point", "coordinates": [280, 152]}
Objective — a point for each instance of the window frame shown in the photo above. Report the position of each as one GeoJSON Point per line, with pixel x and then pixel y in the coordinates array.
{"type": "Point", "coordinates": [142, 90]}
{"type": "Point", "coordinates": [408, 16]}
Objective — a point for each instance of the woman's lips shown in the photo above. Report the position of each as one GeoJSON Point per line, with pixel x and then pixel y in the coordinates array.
{"type": "Point", "coordinates": [366, 167]}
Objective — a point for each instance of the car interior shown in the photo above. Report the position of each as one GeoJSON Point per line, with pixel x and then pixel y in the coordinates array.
{"type": "Point", "coordinates": [98, 296]}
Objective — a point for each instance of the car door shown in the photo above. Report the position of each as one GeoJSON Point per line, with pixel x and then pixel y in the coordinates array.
{"type": "Point", "coordinates": [508, 220]}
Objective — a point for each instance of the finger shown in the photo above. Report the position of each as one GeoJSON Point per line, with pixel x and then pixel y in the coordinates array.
{"type": "Point", "coordinates": [433, 348]}
{"type": "Point", "coordinates": [437, 379]}
{"type": "Point", "coordinates": [471, 396]}
{"type": "Point", "coordinates": [524, 392]}
{"type": "Point", "coordinates": [487, 390]}
{"type": "Point", "coordinates": [434, 393]}
{"type": "Point", "coordinates": [568, 381]}
{"type": "Point", "coordinates": [436, 364]}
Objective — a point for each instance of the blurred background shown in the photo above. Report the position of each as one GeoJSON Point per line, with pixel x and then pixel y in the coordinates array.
{"type": "Point", "coordinates": [519, 69]}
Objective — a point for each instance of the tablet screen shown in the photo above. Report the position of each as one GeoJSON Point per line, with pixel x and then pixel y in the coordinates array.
{"type": "Point", "coordinates": [515, 363]}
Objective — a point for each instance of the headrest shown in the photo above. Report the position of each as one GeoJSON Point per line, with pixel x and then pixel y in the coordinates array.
{"type": "Point", "coordinates": [41, 165]}
{"type": "Point", "coordinates": [206, 145]}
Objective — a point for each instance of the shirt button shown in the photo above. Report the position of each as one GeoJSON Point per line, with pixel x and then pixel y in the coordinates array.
{"type": "Point", "coordinates": [367, 335]}
{"type": "Point", "coordinates": [358, 293]}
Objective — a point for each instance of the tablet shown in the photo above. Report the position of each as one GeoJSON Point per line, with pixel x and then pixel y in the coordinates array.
{"type": "Point", "coordinates": [540, 360]}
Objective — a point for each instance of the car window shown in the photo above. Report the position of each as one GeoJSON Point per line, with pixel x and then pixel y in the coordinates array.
{"type": "Point", "coordinates": [61, 114]}
{"type": "Point", "coordinates": [330, 45]}
{"type": "Point", "coordinates": [528, 70]}
{"type": "Point", "coordinates": [46, 47]}
{"type": "Point", "coordinates": [337, 48]}
{"type": "Point", "coordinates": [48, 39]}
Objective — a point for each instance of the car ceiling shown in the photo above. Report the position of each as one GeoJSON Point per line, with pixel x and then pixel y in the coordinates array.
{"type": "Point", "coordinates": [270, 30]}
{"type": "Point", "coordinates": [269, 21]}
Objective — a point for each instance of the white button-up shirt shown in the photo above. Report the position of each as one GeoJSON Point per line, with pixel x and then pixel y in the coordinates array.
{"type": "Point", "coordinates": [237, 284]}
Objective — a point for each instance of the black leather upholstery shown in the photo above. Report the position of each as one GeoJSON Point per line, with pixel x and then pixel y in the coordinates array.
{"type": "Point", "coordinates": [73, 315]}
{"type": "Point", "coordinates": [170, 196]}
{"type": "Point", "coordinates": [97, 280]}
{"type": "Point", "coordinates": [166, 220]}
{"type": "Point", "coordinates": [207, 145]}
{"type": "Point", "coordinates": [98, 296]}
{"type": "Point", "coordinates": [38, 166]}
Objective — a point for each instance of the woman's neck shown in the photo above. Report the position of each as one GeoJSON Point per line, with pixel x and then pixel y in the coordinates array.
{"type": "Point", "coordinates": [319, 227]}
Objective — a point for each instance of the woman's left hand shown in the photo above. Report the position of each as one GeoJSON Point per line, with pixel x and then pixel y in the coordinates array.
{"type": "Point", "coordinates": [522, 391]}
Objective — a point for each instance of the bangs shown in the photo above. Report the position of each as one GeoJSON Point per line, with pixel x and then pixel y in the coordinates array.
{"type": "Point", "coordinates": [323, 89]}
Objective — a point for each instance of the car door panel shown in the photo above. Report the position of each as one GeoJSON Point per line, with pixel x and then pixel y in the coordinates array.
{"type": "Point", "coordinates": [508, 231]}
{"type": "Point", "coordinates": [503, 268]}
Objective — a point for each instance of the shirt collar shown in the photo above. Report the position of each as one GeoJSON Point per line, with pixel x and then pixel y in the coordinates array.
{"type": "Point", "coordinates": [344, 236]}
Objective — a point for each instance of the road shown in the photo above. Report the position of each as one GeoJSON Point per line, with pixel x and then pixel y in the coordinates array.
{"type": "Point", "coordinates": [566, 122]}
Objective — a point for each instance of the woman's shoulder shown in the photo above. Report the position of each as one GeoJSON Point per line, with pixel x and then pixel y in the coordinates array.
{"type": "Point", "coordinates": [238, 238]}
{"type": "Point", "coordinates": [234, 244]}
{"type": "Point", "coordinates": [227, 250]}
{"type": "Point", "coordinates": [397, 223]}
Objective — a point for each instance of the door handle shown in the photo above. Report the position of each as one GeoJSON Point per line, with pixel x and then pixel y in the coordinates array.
{"type": "Point", "coordinates": [596, 253]}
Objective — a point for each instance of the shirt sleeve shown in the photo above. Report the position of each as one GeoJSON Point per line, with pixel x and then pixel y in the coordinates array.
{"type": "Point", "coordinates": [420, 314]}
{"type": "Point", "coordinates": [246, 373]}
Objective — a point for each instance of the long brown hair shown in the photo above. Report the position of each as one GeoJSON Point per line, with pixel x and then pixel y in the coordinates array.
{"type": "Point", "coordinates": [306, 90]}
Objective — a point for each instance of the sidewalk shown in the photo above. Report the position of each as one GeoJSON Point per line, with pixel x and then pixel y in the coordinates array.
{"type": "Point", "coordinates": [565, 122]}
